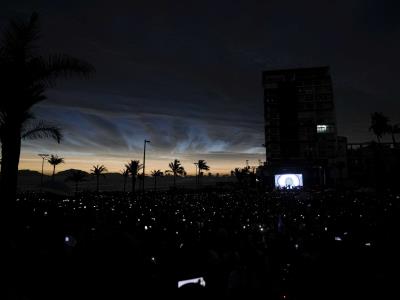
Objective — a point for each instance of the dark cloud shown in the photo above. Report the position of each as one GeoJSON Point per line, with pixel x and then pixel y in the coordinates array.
{"type": "Point", "coordinates": [187, 74]}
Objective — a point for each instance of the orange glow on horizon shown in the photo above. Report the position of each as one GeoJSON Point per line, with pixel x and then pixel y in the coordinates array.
{"type": "Point", "coordinates": [116, 164]}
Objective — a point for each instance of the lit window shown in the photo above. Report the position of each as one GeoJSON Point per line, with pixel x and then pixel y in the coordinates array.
{"type": "Point", "coordinates": [324, 128]}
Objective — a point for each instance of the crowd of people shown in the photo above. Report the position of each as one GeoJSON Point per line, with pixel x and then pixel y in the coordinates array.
{"type": "Point", "coordinates": [286, 244]}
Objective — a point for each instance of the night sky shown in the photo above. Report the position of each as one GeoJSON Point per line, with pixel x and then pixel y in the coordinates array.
{"type": "Point", "coordinates": [187, 74]}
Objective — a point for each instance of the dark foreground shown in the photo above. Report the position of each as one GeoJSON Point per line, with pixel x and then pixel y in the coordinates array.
{"type": "Point", "coordinates": [279, 245]}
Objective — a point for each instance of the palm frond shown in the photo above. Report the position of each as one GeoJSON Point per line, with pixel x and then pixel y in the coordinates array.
{"type": "Point", "coordinates": [55, 160]}
{"type": "Point", "coordinates": [156, 173]}
{"type": "Point", "coordinates": [133, 167]}
{"type": "Point", "coordinates": [125, 172]}
{"type": "Point", "coordinates": [202, 165]}
{"type": "Point", "coordinates": [176, 167]}
{"type": "Point", "coordinates": [98, 170]}
{"type": "Point", "coordinates": [18, 38]}
{"type": "Point", "coordinates": [59, 65]}
{"type": "Point", "coordinates": [42, 130]}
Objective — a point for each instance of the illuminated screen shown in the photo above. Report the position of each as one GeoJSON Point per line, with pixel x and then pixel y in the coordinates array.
{"type": "Point", "coordinates": [199, 280]}
{"type": "Point", "coordinates": [288, 180]}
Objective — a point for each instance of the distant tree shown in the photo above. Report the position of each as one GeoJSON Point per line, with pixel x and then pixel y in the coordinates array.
{"type": "Point", "coordinates": [241, 173]}
{"type": "Point", "coordinates": [379, 125]}
{"type": "Point", "coordinates": [217, 175]}
{"type": "Point", "coordinates": [25, 76]}
{"type": "Point", "coordinates": [133, 168]}
{"type": "Point", "coordinates": [202, 166]}
{"type": "Point", "coordinates": [176, 169]}
{"type": "Point", "coordinates": [155, 174]}
{"type": "Point", "coordinates": [209, 174]}
{"type": "Point", "coordinates": [54, 160]}
{"type": "Point", "coordinates": [125, 175]}
{"type": "Point", "coordinates": [98, 171]}
{"type": "Point", "coordinates": [76, 176]}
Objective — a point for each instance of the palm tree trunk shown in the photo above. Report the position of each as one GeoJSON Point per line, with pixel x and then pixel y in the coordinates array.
{"type": "Point", "coordinates": [174, 179]}
{"type": "Point", "coordinates": [124, 185]}
{"type": "Point", "coordinates": [97, 184]}
{"type": "Point", "coordinates": [133, 184]}
{"type": "Point", "coordinates": [198, 178]}
{"type": "Point", "coordinates": [10, 149]}
{"type": "Point", "coordinates": [54, 172]}
{"type": "Point", "coordinates": [155, 183]}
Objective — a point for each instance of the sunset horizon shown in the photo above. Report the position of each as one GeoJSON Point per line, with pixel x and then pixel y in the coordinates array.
{"type": "Point", "coordinates": [31, 161]}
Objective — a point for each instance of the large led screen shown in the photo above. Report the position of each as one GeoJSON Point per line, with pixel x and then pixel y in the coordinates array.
{"type": "Point", "coordinates": [288, 180]}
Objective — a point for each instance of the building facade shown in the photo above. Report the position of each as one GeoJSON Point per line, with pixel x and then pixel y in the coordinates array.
{"type": "Point", "coordinates": [300, 123]}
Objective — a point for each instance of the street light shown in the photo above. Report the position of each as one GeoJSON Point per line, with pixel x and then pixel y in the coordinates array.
{"type": "Point", "coordinates": [266, 154]}
{"type": "Point", "coordinates": [144, 162]}
{"type": "Point", "coordinates": [43, 156]}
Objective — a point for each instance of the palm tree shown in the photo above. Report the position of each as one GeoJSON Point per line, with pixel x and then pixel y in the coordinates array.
{"type": "Point", "coordinates": [379, 125]}
{"type": "Point", "coordinates": [176, 169]}
{"type": "Point", "coordinates": [202, 166]}
{"type": "Point", "coordinates": [24, 78]}
{"type": "Point", "coordinates": [155, 174]}
{"type": "Point", "coordinates": [54, 160]}
{"type": "Point", "coordinates": [133, 168]}
{"type": "Point", "coordinates": [76, 176]}
{"type": "Point", "coordinates": [98, 171]}
{"type": "Point", "coordinates": [125, 174]}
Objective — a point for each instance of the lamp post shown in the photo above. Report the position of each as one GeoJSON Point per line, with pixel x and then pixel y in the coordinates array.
{"type": "Point", "coordinates": [43, 156]}
{"type": "Point", "coordinates": [266, 154]}
{"type": "Point", "coordinates": [144, 162]}
{"type": "Point", "coordinates": [196, 164]}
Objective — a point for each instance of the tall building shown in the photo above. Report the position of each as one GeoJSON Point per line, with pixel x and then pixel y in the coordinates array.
{"type": "Point", "coordinates": [300, 122]}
